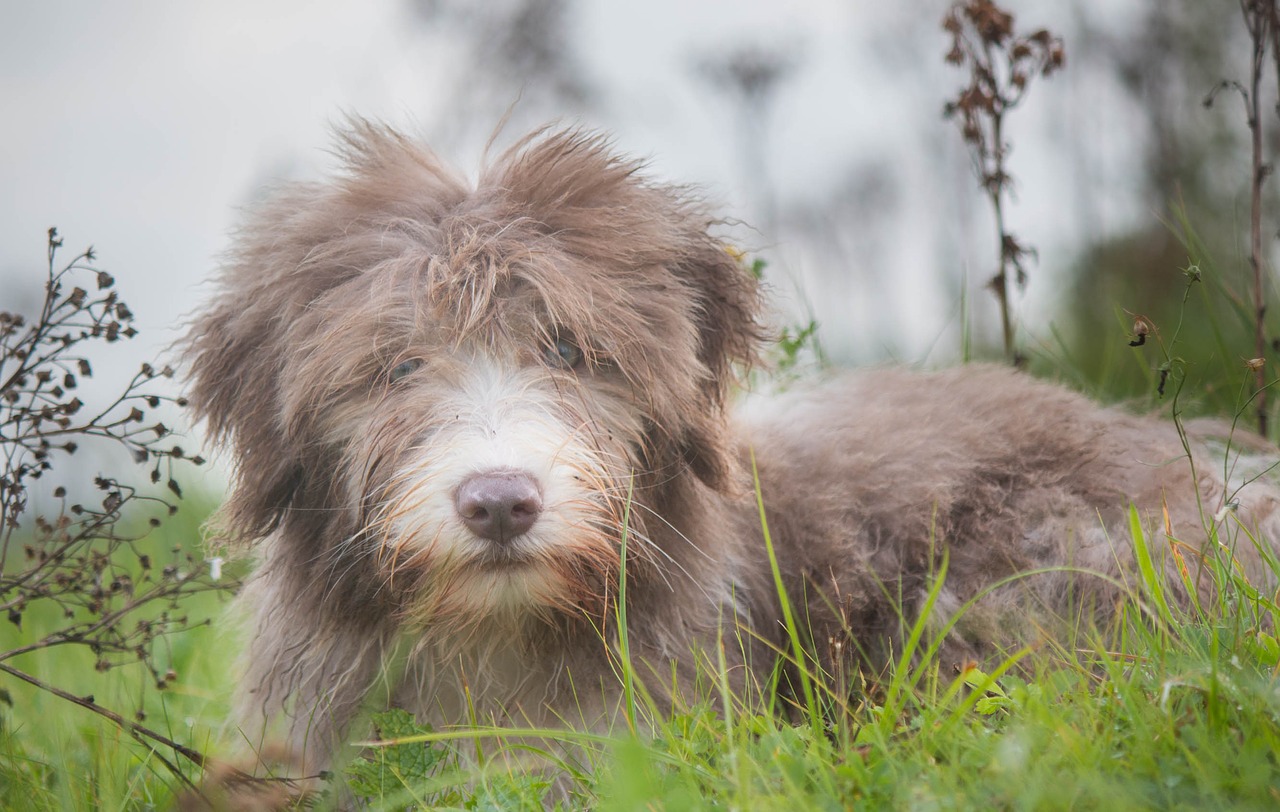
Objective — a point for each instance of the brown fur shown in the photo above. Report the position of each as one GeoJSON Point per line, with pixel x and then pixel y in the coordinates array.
{"type": "Point", "coordinates": [345, 469]}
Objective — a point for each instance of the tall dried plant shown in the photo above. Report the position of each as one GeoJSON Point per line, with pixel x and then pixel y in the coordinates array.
{"type": "Point", "coordinates": [83, 557]}
{"type": "Point", "coordinates": [1262, 21]}
{"type": "Point", "coordinates": [1001, 66]}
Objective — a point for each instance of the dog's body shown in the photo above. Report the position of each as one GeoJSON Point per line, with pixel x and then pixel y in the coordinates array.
{"type": "Point", "coordinates": [452, 407]}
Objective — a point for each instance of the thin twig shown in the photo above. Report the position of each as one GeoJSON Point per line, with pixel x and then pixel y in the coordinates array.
{"type": "Point", "coordinates": [1259, 19]}
{"type": "Point", "coordinates": [139, 731]}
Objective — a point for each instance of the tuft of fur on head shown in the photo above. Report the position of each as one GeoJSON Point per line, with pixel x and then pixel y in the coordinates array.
{"type": "Point", "coordinates": [375, 341]}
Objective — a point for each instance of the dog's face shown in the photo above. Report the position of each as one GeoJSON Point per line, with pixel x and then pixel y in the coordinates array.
{"type": "Point", "coordinates": [444, 400]}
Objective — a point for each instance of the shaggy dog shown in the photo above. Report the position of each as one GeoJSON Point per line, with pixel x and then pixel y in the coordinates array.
{"type": "Point", "coordinates": [458, 411]}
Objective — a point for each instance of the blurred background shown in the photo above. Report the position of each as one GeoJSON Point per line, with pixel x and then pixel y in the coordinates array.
{"type": "Point", "coordinates": [141, 128]}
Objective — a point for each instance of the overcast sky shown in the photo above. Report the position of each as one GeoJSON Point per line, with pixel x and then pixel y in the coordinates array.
{"type": "Point", "coordinates": [140, 128]}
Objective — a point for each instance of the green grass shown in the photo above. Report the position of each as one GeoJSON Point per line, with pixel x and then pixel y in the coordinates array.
{"type": "Point", "coordinates": [55, 755]}
{"type": "Point", "coordinates": [1173, 708]}
{"type": "Point", "coordinates": [1176, 706]}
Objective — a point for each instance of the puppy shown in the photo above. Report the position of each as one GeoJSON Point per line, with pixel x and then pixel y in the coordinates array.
{"type": "Point", "coordinates": [464, 415]}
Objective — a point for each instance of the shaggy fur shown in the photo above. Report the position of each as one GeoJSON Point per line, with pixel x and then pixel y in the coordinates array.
{"type": "Point", "coordinates": [382, 342]}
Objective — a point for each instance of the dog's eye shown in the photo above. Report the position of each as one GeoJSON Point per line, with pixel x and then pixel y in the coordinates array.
{"type": "Point", "coordinates": [564, 354]}
{"type": "Point", "coordinates": [404, 368]}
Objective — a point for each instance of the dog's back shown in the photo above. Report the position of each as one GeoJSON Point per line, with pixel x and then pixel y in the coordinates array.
{"type": "Point", "coordinates": [869, 480]}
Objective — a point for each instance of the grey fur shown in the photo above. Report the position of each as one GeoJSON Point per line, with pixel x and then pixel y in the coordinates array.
{"type": "Point", "coordinates": [866, 479]}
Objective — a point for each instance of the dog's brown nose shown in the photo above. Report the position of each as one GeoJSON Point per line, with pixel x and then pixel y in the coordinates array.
{"type": "Point", "coordinates": [499, 505]}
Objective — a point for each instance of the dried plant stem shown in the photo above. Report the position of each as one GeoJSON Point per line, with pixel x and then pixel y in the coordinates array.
{"type": "Point", "coordinates": [1000, 282]}
{"type": "Point", "coordinates": [140, 732]}
{"type": "Point", "coordinates": [80, 559]}
{"type": "Point", "coordinates": [1000, 67]}
{"type": "Point", "coordinates": [1260, 20]}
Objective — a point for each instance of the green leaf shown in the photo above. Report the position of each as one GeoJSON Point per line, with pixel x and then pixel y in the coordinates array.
{"type": "Point", "coordinates": [384, 770]}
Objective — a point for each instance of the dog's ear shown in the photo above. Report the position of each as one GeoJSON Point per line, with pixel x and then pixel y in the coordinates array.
{"type": "Point", "coordinates": [730, 333]}
{"type": "Point", "coordinates": [234, 356]}
{"type": "Point", "coordinates": [238, 350]}
{"type": "Point", "coordinates": [728, 313]}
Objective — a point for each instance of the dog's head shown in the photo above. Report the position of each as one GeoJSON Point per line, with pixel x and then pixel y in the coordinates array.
{"type": "Point", "coordinates": [454, 392]}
